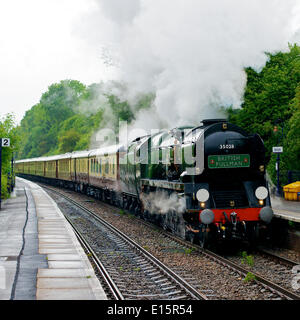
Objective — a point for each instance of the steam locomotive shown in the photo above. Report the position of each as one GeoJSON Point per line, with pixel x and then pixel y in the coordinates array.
{"type": "Point", "coordinates": [206, 183]}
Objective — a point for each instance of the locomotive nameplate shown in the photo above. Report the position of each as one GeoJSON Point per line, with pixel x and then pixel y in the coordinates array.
{"type": "Point", "coordinates": [229, 161]}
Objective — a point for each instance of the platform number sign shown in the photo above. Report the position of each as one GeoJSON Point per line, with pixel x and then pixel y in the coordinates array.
{"type": "Point", "coordinates": [5, 142]}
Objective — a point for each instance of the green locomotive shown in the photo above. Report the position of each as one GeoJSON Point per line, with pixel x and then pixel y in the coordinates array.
{"type": "Point", "coordinates": [211, 177]}
{"type": "Point", "coordinates": [206, 183]}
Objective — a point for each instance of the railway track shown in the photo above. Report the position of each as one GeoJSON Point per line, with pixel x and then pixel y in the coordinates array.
{"type": "Point", "coordinates": [107, 282]}
{"type": "Point", "coordinates": [162, 281]}
{"type": "Point", "coordinates": [279, 259]}
{"type": "Point", "coordinates": [270, 285]}
{"type": "Point", "coordinates": [282, 292]}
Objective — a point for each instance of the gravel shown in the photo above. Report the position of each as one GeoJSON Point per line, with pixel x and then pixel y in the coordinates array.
{"type": "Point", "coordinates": [216, 281]}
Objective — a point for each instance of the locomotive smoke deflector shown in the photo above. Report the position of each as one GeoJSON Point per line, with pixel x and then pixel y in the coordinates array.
{"type": "Point", "coordinates": [194, 138]}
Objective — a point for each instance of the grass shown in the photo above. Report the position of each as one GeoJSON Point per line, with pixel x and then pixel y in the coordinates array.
{"type": "Point", "coordinates": [188, 251]}
{"type": "Point", "coordinates": [247, 259]}
{"type": "Point", "coordinates": [249, 277]}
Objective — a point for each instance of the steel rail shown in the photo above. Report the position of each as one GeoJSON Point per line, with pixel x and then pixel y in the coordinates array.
{"type": "Point", "coordinates": [193, 292]}
{"type": "Point", "coordinates": [227, 263]}
{"type": "Point", "coordinates": [100, 267]}
{"type": "Point", "coordinates": [282, 260]}
{"type": "Point", "coordinates": [209, 254]}
{"type": "Point", "coordinates": [235, 267]}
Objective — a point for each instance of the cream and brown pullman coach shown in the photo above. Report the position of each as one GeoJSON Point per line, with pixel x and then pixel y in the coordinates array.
{"type": "Point", "coordinates": [64, 167]}
{"type": "Point", "coordinates": [104, 167]}
{"type": "Point", "coordinates": [91, 171]}
{"type": "Point", "coordinates": [80, 167]}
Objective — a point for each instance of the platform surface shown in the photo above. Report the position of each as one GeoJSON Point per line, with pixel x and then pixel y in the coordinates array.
{"type": "Point", "coordinates": [289, 210]}
{"type": "Point", "coordinates": [40, 256]}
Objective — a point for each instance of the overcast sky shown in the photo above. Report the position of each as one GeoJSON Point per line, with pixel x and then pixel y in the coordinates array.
{"type": "Point", "coordinates": [40, 45]}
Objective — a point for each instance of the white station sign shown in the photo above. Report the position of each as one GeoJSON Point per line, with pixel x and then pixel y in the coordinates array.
{"type": "Point", "coordinates": [277, 149]}
{"type": "Point", "coordinates": [5, 142]}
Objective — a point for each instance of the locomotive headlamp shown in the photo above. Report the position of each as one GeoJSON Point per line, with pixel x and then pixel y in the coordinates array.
{"type": "Point", "coordinates": [261, 202]}
{"type": "Point", "coordinates": [261, 193]}
{"type": "Point", "coordinates": [207, 216]}
{"type": "Point", "coordinates": [202, 205]}
{"type": "Point", "coordinates": [261, 168]}
{"type": "Point", "coordinates": [202, 195]}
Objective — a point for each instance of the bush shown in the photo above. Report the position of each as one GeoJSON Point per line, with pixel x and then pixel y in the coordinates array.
{"type": "Point", "coordinates": [7, 130]}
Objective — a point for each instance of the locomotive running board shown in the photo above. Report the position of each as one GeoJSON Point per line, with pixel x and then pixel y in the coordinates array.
{"type": "Point", "coordinates": [178, 186]}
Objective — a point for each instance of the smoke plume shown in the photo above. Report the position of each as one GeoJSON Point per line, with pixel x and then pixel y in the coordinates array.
{"type": "Point", "coordinates": [190, 53]}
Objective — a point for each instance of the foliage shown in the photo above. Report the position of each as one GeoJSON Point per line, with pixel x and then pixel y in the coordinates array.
{"type": "Point", "coordinates": [40, 127]}
{"type": "Point", "coordinates": [69, 113]}
{"type": "Point", "coordinates": [247, 259]}
{"type": "Point", "coordinates": [7, 130]}
{"type": "Point", "coordinates": [271, 94]}
{"type": "Point", "coordinates": [249, 277]}
{"type": "Point", "coordinates": [189, 251]}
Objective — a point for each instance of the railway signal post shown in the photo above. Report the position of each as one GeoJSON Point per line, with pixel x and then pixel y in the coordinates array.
{"type": "Point", "coordinates": [278, 150]}
{"type": "Point", "coordinates": [4, 142]}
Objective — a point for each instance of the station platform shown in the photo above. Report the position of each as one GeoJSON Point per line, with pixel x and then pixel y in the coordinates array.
{"type": "Point", "coordinates": [284, 209]}
{"type": "Point", "coordinates": [40, 256]}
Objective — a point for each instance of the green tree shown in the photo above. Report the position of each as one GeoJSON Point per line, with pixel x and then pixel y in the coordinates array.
{"type": "Point", "coordinates": [69, 113]}
{"type": "Point", "coordinates": [271, 94]}
{"type": "Point", "coordinates": [68, 141]}
{"type": "Point", "coordinates": [7, 130]}
{"type": "Point", "coordinates": [41, 124]}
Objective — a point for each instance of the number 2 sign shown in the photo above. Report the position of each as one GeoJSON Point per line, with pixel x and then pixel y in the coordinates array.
{"type": "Point", "coordinates": [5, 142]}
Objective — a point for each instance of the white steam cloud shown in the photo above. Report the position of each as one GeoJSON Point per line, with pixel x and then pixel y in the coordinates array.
{"type": "Point", "coordinates": [190, 53]}
{"type": "Point", "coordinates": [161, 202]}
